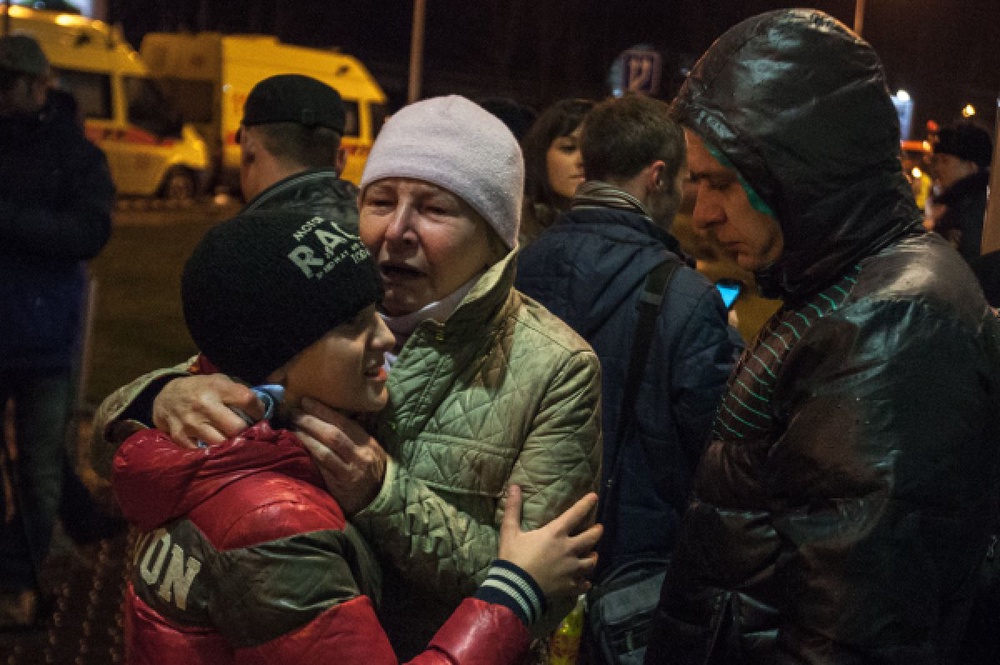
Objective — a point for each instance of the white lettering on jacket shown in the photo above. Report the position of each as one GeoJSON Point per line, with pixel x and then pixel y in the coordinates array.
{"type": "Point", "coordinates": [166, 563]}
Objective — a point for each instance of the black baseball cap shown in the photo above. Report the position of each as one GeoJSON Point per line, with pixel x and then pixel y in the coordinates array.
{"type": "Point", "coordinates": [294, 98]}
{"type": "Point", "coordinates": [21, 54]}
{"type": "Point", "coordinates": [968, 142]}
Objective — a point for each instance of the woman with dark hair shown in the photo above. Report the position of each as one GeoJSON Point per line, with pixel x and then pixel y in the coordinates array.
{"type": "Point", "coordinates": [553, 165]}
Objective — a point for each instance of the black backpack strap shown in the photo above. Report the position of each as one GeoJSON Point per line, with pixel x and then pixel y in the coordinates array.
{"type": "Point", "coordinates": [650, 303]}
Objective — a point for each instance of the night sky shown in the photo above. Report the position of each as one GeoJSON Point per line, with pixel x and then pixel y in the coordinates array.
{"type": "Point", "coordinates": [944, 52]}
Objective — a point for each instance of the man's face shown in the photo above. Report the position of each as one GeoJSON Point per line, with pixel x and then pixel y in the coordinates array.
{"type": "Point", "coordinates": [723, 211]}
{"type": "Point", "coordinates": [25, 97]}
{"type": "Point", "coordinates": [949, 169]}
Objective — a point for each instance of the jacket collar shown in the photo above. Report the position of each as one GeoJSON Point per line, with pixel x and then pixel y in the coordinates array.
{"type": "Point", "coordinates": [594, 193]}
{"type": "Point", "coordinates": [634, 219]}
{"type": "Point", "coordinates": [485, 302]}
{"type": "Point", "coordinates": [288, 185]}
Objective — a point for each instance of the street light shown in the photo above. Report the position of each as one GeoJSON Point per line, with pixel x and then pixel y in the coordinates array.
{"type": "Point", "coordinates": [968, 111]}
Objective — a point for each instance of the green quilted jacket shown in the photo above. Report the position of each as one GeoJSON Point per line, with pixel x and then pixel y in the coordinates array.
{"type": "Point", "coordinates": [501, 393]}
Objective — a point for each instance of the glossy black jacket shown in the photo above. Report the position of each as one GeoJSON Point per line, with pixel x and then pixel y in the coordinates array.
{"type": "Point", "coordinates": [846, 498]}
{"type": "Point", "coordinates": [314, 191]}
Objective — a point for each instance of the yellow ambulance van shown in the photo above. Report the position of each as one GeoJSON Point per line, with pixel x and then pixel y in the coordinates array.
{"type": "Point", "coordinates": [208, 76]}
{"type": "Point", "coordinates": [150, 152]}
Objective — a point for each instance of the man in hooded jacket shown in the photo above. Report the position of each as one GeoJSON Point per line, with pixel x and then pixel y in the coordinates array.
{"type": "Point", "coordinates": [846, 501]}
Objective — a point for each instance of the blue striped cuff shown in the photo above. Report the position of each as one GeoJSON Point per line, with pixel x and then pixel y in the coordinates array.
{"type": "Point", "coordinates": [510, 586]}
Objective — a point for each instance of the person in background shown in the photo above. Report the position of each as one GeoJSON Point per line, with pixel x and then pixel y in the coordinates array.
{"type": "Point", "coordinates": [56, 197]}
{"type": "Point", "coordinates": [290, 152]}
{"type": "Point", "coordinates": [589, 269]}
{"type": "Point", "coordinates": [553, 167]}
{"type": "Point", "coordinates": [987, 271]}
{"type": "Point", "coordinates": [848, 494]}
{"type": "Point", "coordinates": [234, 515]}
{"type": "Point", "coordinates": [961, 167]}
{"type": "Point", "coordinates": [486, 388]}
{"type": "Point", "coordinates": [517, 116]}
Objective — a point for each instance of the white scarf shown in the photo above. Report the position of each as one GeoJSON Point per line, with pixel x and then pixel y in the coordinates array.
{"type": "Point", "coordinates": [402, 326]}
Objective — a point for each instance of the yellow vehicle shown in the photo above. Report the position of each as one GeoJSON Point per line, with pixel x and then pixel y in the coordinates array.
{"type": "Point", "coordinates": [150, 152]}
{"type": "Point", "coordinates": [208, 76]}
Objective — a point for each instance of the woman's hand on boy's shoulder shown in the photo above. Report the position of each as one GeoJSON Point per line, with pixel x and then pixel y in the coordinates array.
{"type": "Point", "coordinates": [193, 409]}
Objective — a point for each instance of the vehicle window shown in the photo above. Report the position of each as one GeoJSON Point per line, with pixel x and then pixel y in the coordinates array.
{"type": "Point", "coordinates": [379, 114]}
{"type": "Point", "coordinates": [351, 124]}
{"type": "Point", "coordinates": [192, 99]}
{"type": "Point", "coordinates": [91, 90]}
{"type": "Point", "coordinates": [148, 109]}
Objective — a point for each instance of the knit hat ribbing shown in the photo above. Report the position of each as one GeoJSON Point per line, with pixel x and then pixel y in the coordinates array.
{"type": "Point", "coordinates": [263, 286]}
{"type": "Point", "coordinates": [455, 144]}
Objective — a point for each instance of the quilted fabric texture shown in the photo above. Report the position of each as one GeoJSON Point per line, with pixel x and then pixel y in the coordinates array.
{"type": "Point", "coordinates": [502, 393]}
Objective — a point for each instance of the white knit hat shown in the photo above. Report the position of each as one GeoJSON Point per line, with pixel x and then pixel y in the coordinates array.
{"type": "Point", "coordinates": [455, 144]}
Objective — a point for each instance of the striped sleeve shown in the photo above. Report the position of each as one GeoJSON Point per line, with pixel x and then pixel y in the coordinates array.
{"type": "Point", "coordinates": [508, 585]}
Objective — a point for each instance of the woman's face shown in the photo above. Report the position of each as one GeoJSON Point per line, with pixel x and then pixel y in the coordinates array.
{"type": "Point", "coordinates": [344, 369]}
{"type": "Point", "coordinates": [426, 241]}
{"type": "Point", "coordinates": [564, 164]}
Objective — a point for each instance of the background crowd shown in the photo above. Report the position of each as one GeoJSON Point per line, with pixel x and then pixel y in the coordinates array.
{"type": "Point", "coordinates": [498, 322]}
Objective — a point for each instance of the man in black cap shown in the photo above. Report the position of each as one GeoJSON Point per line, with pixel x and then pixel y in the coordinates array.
{"type": "Point", "coordinates": [290, 160]}
{"type": "Point", "coordinates": [55, 213]}
{"type": "Point", "coordinates": [961, 166]}
{"type": "Point", "coordinates": [290, 154]}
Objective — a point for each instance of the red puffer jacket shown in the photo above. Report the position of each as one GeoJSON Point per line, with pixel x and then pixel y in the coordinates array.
{"type": "Point", "coordinates": [245, 558]}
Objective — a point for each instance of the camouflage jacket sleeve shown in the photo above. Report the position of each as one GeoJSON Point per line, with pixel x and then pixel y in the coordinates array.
{"type": "Point", "coordinates": [126, 411]}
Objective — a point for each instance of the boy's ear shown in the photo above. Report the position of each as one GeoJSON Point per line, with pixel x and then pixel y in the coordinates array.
{"type": "Point", "coordinates": [341, 160]}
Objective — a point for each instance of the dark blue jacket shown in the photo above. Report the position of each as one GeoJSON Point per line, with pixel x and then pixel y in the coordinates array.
{"type": "Point", "coordinates": [55, 212]}
{"type": "Point", "coordinates": [589, 269]}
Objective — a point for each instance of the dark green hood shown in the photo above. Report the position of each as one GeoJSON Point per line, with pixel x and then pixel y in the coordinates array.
{"type": "Point", "coordinates": [799, 105]}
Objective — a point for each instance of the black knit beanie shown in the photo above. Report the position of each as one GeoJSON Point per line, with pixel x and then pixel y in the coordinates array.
{"type": "Point", "coordinates": [967, 142]}
{"type": "Point", "coordinates": [263, 286]}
